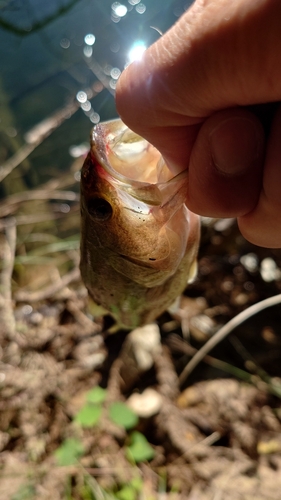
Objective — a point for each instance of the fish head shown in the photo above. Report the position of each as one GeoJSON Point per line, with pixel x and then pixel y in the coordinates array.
{"type": "Point", "coordinates": [133, 204]}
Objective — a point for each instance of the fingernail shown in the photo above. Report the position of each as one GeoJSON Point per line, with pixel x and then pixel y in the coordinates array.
{"type": "Point", "coordinates": [235, 145]}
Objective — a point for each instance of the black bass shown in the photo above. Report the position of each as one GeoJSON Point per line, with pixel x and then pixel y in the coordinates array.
{"type": "Point", "coordinates": [139, 241]}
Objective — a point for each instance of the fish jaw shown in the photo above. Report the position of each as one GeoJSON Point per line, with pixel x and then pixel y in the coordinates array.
{"type": "Point", "coordinates": [139, 247]}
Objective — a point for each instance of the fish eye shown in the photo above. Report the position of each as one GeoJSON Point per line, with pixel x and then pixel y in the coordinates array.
{"type": "Point", "coordinates": [99, 209]}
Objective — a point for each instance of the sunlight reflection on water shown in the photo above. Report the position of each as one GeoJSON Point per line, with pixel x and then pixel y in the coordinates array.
{"type": "Point", "coordinates": [90, 39]}
{"type": "Point", "coordinates": [136, 52]}
{"type": "Point", "coordinates": [73, 56]}
{"type": "Point", "coordinates": [141, 8]}
{"type": "Point", "coordinates": [81, 96]}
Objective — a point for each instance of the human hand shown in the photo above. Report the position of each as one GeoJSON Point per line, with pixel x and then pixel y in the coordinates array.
{"type": "Point", "coordinates": [191, 96]}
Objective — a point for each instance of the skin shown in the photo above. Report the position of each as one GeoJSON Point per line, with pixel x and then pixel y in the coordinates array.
{"type": "Point", "coordinates": [192, 96]}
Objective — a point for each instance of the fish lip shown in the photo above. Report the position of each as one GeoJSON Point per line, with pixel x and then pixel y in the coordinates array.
{"type": "Point", "coordinates": [99, 149]}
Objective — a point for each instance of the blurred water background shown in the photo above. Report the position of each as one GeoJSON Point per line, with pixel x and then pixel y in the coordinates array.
{"type": "Point", "coordinates": [60, 61]}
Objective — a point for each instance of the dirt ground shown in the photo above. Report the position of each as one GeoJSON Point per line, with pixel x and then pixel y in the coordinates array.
{"type": "Point", "coordinates": [215, 435]}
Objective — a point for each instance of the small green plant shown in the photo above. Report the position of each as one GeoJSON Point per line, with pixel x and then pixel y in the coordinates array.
{"type": "Point", "coordinates": [69, 452]}
{"type": "Point", "coordinates": [89, 415]}
{"type": "Point", "coordinates": [91, 490]}
{"type": "Point", "coordinates": [131, 490]}
{"type": "Point", "coordinates": [26, 492]}
{"type": "Point", "coordinates": [138, 450]}
{"type": "Point", "coordinates": [121, 415]}
{"type": "Point", "coordinates": [97, 395]}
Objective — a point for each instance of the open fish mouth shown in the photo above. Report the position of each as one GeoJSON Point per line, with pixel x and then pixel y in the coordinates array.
{"type": "Point", "coordinates": [135, 167]}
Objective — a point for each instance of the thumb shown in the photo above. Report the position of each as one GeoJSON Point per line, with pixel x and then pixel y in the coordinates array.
{"type": "Point", "coordinates": [226, 164]}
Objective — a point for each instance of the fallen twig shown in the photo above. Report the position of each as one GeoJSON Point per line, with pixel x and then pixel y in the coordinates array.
{"type": "Point", "coordinates": [8, 257]}
{"type": "Point", "coordinates": [225, 331]}
{"type": "Point", "coordinates": [36, 136]}
{"type": "Point", "coordinates": [9, 205]}
{"type": "Point", "coordinates": [35, 218]}
{"type": "Point", "coordinates": [176, 343]}
{"type": "Point", "coordinates": [49, 291]}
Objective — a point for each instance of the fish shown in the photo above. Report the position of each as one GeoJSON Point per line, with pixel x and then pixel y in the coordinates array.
{"type": "Point", "coordinates": [139, 241]}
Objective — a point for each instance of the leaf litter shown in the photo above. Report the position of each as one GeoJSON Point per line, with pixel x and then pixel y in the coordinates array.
{"type": "Point", "coordinates": [214, 435]}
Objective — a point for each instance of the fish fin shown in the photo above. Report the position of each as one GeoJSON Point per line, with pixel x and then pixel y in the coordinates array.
{"type": "Point", "coordinates": [192, 271]}
{"type": "Point", "coordinates": [174, 307]}
{"type": "Point", "coordinates": [96, 310]}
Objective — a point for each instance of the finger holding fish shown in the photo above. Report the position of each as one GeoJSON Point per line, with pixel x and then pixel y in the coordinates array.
{"type": "Point", "coordinates": [200, 89]}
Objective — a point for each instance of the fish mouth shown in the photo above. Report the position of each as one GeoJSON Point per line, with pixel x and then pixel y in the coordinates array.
{"type": "Point", "coordinates": [133, 166]}
{"type": "Point", "coordinates": [141, 263]}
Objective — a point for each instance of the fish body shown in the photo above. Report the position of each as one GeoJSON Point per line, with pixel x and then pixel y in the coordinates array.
{"type": "Point", "coordinates": [139, 241]}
